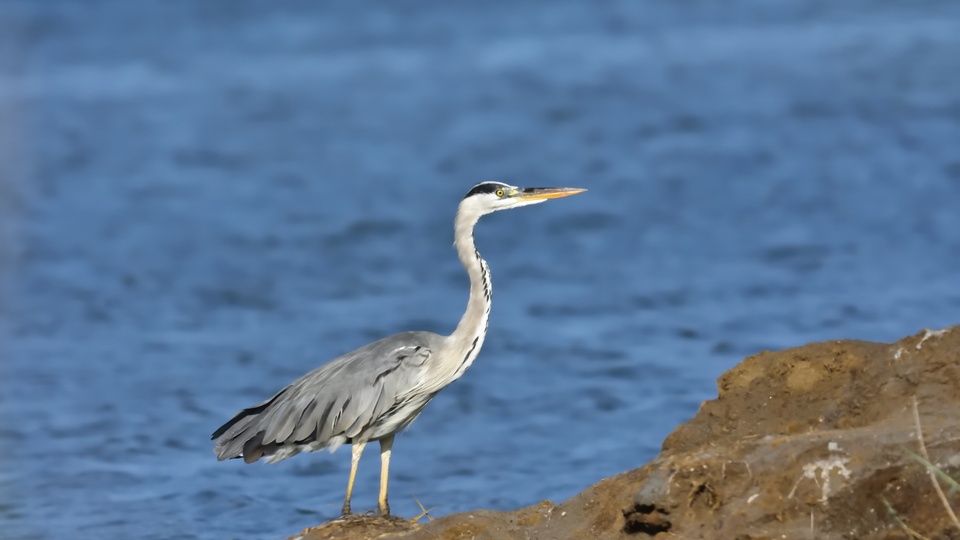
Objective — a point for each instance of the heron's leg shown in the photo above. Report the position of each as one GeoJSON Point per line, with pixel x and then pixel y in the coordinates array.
{"type": "Point", "coordinates": [386, 444]}
{"type": "Point", "coordinates": [356, 449]}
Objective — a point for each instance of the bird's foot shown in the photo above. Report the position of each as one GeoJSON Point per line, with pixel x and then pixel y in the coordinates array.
{"type": "Point", "coordinates": [384, 509]}
{"type": "Point", "coordinates": [345, 511]}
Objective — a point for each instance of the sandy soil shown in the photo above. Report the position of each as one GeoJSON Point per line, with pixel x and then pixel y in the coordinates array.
{"type": "Point", "coordinates": [814, 442]}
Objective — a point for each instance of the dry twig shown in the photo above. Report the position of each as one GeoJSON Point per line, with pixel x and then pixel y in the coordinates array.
{"type": "Point", "coordinates": [424, 512]}
{"type": "Point", "coordinates": [933, 476]}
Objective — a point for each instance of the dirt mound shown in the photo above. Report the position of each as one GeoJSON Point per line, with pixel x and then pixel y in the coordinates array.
{"type": "Point", "coordinates": [816, 442]}
{"type": "Point", "coordinates": [357, 526]}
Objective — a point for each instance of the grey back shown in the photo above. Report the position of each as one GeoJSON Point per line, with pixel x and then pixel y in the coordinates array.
{"type": "Point", "coordinates": [363, 395]}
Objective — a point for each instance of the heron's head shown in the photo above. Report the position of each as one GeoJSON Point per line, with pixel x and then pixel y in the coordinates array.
{"type": "Point", "coordinates": [487, 197]}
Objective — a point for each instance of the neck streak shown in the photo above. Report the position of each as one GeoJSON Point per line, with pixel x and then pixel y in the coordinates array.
{"type": "Point", "coordinates": [468, 337]}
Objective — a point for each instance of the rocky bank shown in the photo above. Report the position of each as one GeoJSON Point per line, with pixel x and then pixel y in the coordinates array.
{"type": "Point", "coordinates": [817, 442]}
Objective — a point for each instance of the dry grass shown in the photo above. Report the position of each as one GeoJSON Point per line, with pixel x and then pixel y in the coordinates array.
{"type": "Point", "coordinates": [932, 470]}
{"type": "Point", "coordinates": [936, 475]}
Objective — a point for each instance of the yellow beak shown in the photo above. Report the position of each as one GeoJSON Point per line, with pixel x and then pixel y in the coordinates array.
{"type": "Point", "coordinates": [537, 194]}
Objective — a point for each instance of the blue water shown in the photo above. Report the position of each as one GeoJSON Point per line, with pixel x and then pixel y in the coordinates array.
{"type": "Point", "coordinates": [200, 202]}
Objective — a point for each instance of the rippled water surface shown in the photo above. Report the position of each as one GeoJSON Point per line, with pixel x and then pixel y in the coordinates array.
{"type": "Point", "coordinates": [202, 201]}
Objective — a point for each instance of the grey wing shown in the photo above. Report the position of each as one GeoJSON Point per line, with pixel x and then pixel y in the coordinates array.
{"type": "Point", "coordinates": [342, 401]}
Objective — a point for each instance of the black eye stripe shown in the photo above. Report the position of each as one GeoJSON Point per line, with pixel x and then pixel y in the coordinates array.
{"type": "Point", "coordinates": [486, 187]}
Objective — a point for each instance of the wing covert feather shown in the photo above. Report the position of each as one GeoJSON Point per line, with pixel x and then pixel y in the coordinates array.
{"type": "Point", "coordinates": [348, 395]}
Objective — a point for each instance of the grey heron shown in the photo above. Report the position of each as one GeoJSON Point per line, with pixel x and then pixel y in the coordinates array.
{"type": "Point", "coordinates": [372, 393]}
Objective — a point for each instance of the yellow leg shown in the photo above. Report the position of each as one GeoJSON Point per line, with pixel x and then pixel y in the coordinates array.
{"type": "Point", "coordinates": [386, 444]}
{"type": "Point", "coordinates": [357, 450]}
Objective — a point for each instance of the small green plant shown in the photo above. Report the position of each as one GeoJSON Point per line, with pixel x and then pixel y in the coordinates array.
{"type": "Point", "coordinates": [931, 468]}
{"type": "Point", "coordinates": [900, 522]}
{"type": "Point", "coordinates": [934, 472]}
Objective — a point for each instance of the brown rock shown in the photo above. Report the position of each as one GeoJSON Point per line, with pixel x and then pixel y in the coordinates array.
{"type": "Point", "coordinates": [357, 526]}
{"type": "Point", "coordinates": [813, 442]}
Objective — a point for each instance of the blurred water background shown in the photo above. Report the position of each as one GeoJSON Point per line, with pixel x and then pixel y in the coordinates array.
{"type": "Point", "coordinates": [202, 201]}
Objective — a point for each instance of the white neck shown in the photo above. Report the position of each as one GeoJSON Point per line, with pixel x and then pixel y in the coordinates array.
{"type": "Point", "coordinates": [468, 337]}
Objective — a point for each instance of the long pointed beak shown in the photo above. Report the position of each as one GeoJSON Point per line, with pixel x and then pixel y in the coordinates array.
{"type": "Point", "coordinates": [543, 193]}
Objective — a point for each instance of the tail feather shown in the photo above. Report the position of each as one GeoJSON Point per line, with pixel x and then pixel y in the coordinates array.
{"type": "Point", "coordinates": [250, 411]}
{"type": "Point", "coordinates": [253, 449]}
{"type": "Point", "coordinates": [236, 438]}
{"type": "Point", "coordinates": [235, 444]}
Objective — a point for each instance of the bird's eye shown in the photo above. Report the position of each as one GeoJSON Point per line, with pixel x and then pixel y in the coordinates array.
{"type": "Point", "coordinates": [499, 193]}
